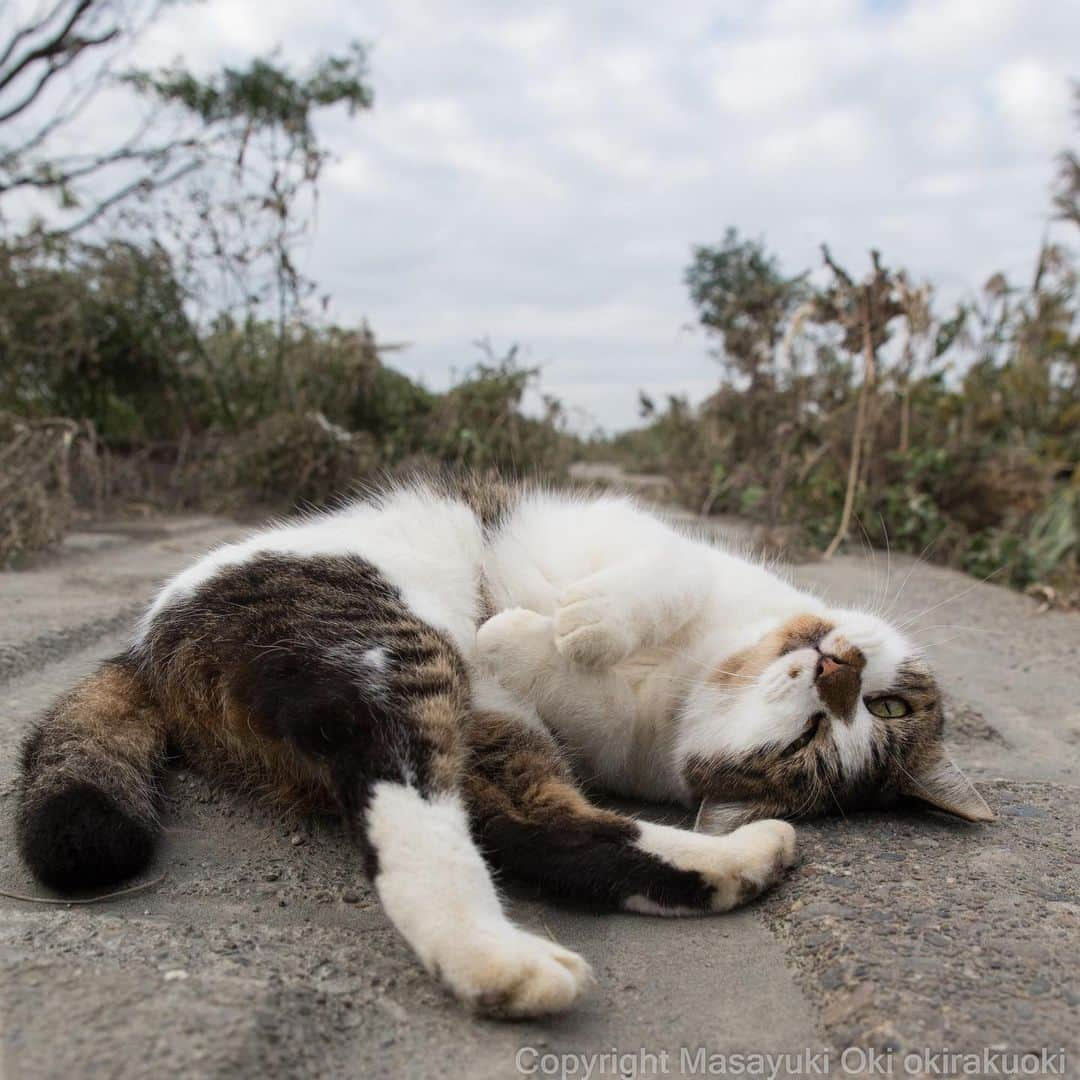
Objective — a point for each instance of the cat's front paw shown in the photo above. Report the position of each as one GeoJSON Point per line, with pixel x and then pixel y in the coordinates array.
{"type": "Point", "coordinates": [736, 867]}
{"type": "Point", "coordinates": [590, 630]}
{"type": "Point", "coordinates": [763, 851]}
{"type": "Point", "coordinates": [516, 974]}
{"type": "Point", "coordinates": [514, 637]}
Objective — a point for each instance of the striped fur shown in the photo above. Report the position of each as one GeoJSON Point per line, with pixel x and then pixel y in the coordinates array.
{"type": "Point", "coordinates": [89, 791]}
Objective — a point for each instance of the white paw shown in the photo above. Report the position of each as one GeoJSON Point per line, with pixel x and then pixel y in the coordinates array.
{"type": "Point", "coordinates": [515, 634]}
{"type": "Point", "coordinates": [589, 629]}
{"type": "Point", "coordinates": [513, 973]}
{"type": "Point", "coordinates": [764, 850]}
{"type": "Point", "coordinates": [738, 866]}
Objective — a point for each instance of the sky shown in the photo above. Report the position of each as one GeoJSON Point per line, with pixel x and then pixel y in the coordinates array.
{"type": "Point", "coordinates": [538, 173]}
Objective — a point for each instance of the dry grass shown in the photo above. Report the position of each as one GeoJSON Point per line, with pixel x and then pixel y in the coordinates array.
{"type": "Point", "coordinates": [43, 464]}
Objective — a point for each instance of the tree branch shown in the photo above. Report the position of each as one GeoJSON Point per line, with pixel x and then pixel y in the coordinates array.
{"type": "Point", "coordinates": [128, 153]}
{"type": "Point", "coordinates": [29, 31]}
{"type": "Point", "coordinates": [55, 46]}
{"type": "Point", "coordinates": [858, 436]}
{"type": "Point", "coordinates": [123, 193]}
{"type": "Point", "coordinates": [54, 67]}
{"type": "Point", "coordinates": [839, 271]}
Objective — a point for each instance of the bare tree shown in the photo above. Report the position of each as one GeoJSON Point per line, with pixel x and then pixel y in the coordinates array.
{"type": "Point", "coordinates": [52, 67]}
{"type": "Point", "coordinates": [1067, 194]}
{"type": "Point", "coordinates": [863, 312]}
{"type": "Point", "coordinates": [54, 64]}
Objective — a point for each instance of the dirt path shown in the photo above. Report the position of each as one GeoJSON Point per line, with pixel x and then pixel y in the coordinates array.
{"type": "Point", "coordinates": [263, 953]}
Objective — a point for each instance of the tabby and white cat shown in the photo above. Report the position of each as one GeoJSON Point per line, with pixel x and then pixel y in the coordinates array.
{"type": "Point", "coordinates": [440, 662]}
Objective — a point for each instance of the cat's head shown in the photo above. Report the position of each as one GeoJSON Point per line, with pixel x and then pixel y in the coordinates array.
{"type": "Point", "coordinates": [824, 713]}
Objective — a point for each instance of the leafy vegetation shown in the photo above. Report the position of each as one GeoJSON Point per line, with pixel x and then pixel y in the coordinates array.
{"type": "Point", "coordinates": [157, 341]}
{"type": "Point", "coordinates": [159, 345]}
{"type": "Point", "coordinates": [857, 408]}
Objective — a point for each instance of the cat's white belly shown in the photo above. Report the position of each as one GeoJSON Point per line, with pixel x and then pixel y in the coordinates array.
{"type": "Point", "coordinates": [628, 748]}
{"type": "Point", "coordinates": [645, 769]}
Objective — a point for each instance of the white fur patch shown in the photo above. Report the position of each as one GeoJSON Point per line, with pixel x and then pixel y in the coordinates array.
{"type": "Point", "coordinates": [437, 891]}
{"type": "Point", "coordinates": [428, 546]}
{"type": "Point", "coordinates": [642, 905]}
{"type": "Point", "coordinates": [854, 741]}
{"type": "Point", "coordinates": [376, 659]}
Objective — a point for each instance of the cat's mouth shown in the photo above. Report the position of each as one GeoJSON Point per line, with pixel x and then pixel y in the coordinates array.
{"type": "Point", "coordinates": [813, 726]}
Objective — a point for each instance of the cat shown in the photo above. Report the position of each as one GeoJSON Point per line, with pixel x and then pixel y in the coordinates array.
{"type": "Point", "coordinates": [440, 663]}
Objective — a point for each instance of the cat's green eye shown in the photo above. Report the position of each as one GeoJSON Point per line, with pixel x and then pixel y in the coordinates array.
{"type": "Point", "coordinates": [888, 708]}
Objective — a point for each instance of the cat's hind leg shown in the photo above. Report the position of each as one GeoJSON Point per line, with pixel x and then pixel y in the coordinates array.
{"type": "Point", "coordinates": [380, 712]}
{"type": "Point", "coordinates": [437, 890]}
{"type": "Point", "coordinates": [534, 822]}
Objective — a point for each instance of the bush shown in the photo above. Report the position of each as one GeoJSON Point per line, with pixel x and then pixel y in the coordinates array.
{"type": "Point", "coordinates": [285, 462]}
{"type": "Point", "coordinates": [99, 334]}
{"type": "Point", "coordinates": [37, 498]}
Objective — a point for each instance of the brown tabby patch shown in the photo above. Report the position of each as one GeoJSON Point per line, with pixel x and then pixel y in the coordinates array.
{"type": "Point", "coordinates": [532, 820]}
{"type": "Point", "coordinates": [88, 788]}
{"type": "Point", "coordinates": [260, 675]}
{"type": "Point", "coordinates": [801, 632]}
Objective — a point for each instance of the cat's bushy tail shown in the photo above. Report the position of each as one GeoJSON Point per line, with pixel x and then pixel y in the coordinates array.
{"type": "Point", "coordinates": [89, 791]}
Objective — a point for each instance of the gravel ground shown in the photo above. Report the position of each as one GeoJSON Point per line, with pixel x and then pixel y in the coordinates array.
{"type": "Point", "coordinates": [263, 954]}
{"type": "Point", "coordinates": [909, 935]}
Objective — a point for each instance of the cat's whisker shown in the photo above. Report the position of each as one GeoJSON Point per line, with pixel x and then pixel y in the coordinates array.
{"type": "Point", "coordinates": [687, 680]}
{"type": "Point", "coordinates": [930, 645]}
{"type": "Point", "coordinates": [810, 800]}
{"type": "Point", "coordinates": [919, 561]}
{"type": "Point", "coordinates": [875, 577]}
{"type": "Point", "coordinates": [704, 666]}
{"type": "Point", "coordinates": [900, 765]}
{"type": "Point", "coordinates": [949, 599]}
{"type": "Point", "coordinates": [681, 654]}
{"type": "Point", "coordinates": [888, 563]}
{"type": "Point", "coordinates": [832, 792]}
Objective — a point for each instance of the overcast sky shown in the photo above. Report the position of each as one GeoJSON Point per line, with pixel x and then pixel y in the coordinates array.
{"type": "Point", "coordinates": [538, 172]}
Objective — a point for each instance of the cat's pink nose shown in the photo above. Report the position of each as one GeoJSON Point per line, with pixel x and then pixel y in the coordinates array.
{"type": "Point", "coordinates": [826, 666]}
{"type": "Point", "coordinates": [838, 686]}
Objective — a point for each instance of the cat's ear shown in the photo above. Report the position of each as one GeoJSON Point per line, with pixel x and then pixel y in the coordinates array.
{"type": "Point", "coordinates": [718, 818]}
{"type": "Point", "coordinates": [941, 784]}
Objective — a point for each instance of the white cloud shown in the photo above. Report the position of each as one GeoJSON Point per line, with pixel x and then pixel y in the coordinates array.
{"type": "Point", "coordinates": [959, 32]}
{"type": "Point", "coordinates": [1034, 98]}
{"type": "Point", "coordinates": [539, 173]}
{"type": "Point", "coordinates": [955, 122]}
{"type": "Point", "coordinates": [838, 138]}
{"type": "Point", "coordinates": [769, 75]}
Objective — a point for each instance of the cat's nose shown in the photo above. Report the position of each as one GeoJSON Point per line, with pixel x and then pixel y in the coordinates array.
{"type": "Point", "coordinates": [827, 665]}
{"type": "Point", "coordinates": [838, 685]}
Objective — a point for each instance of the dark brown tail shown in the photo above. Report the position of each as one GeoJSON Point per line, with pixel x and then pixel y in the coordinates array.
{"type": "Point", "coordinates": [89, 792]}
